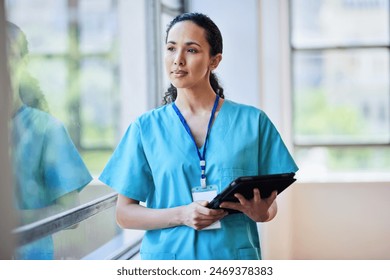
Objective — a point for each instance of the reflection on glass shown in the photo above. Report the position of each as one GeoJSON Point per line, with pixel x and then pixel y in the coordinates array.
{"type": "Point", "coordinates": [97, 117]}
{"type": "Point", "coordinates": [318, 23]}
{"type": "Point", "coordinates": [56, 69]}
{"type": "Point", "coordinates": [107, 239]}
{"type": "Point", "coordinates": [48, 170]}
{"type": "Point", "coordinates": [48, 33]}
{"type": "Point", "coordinates": [74, 49]}
{"type": "Point", "coordinates": [342, 96]}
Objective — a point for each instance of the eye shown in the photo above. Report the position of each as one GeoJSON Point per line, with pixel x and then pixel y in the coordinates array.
{"type": "Point", "coordinates": [170, 48]}
{"type": "Point", "coordinates": [192, 50]}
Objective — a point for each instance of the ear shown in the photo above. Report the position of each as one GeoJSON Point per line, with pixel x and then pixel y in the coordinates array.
{"type": "Point", "coordinates": [215, 60]}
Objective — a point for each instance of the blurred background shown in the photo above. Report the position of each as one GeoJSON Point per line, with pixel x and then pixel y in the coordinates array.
{"type": "Point", "coordinates": [319, 68]}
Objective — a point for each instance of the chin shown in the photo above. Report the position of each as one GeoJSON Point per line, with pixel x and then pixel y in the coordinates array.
{"type": "Point", "coordinates": [179, 85]}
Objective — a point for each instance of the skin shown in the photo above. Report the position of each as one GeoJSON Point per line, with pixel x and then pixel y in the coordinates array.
{"type": "Point", "coordinates": [188, 64]}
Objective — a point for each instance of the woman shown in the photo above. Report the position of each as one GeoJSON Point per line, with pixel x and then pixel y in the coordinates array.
{"type": "Point", "coordinates": [177, 157]}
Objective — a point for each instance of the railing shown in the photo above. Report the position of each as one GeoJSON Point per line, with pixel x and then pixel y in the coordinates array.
{"type": "Point", "coordinates": [47, 226]}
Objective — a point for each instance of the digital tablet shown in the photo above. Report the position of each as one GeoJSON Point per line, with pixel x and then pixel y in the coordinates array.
{"type": "Point", "coordinates": [245, 185]}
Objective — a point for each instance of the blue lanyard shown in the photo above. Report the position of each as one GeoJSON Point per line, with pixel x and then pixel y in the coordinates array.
{"type": "Point", "coordinates": [202, 157]}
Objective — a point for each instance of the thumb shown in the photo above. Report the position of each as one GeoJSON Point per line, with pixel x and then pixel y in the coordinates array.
{"type": "Point", "coordinates": [272, 197]}
{"type": "Point", "coordinates": [203, 202]}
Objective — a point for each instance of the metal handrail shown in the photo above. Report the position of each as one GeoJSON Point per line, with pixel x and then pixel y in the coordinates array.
{"type": "Point", "coordinates": [44, 227]}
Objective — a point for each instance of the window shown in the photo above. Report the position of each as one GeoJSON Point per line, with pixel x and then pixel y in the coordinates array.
{"type": "Point", "coordinates": [341, 87]}
{"type": "Point", "coordinates": [86, 64]}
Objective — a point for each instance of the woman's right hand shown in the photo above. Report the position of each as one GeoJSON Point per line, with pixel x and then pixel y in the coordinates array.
{"type": "Point", "coordinates": [131, 215]}
{"type": "Point", "coordinates": [198, 216]}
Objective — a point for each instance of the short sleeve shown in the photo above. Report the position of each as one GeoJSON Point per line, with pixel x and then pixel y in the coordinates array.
{"type": "Point", "coordinates": [63, 168]}
{"type": "Point", "coordinates": [128, 171]}
{"type": "Point", "coordinates": [273, 153]}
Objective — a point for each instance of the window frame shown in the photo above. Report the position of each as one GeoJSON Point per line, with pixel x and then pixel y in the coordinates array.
{"type": "Point", "coordinates": [328, 47]}
{"type": "Point", "coordinates": [7, 218]}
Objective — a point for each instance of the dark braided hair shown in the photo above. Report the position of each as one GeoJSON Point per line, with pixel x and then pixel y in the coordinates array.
{"type": "Point", "coordinates": [213, 37]}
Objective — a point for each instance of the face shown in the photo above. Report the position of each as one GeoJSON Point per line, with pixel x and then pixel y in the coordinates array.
{"type": "Point", "coordinates": [187, 57]}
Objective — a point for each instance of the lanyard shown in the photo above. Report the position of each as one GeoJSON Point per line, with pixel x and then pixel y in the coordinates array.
{"type": "Point", "coordinates": [202, 157]}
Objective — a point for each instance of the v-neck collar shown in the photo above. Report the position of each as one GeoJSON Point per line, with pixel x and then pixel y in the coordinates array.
{"type": "Point", "coordinates": [221, 123]}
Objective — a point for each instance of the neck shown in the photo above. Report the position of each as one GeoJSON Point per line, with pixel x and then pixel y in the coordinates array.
{"type": "Point", "coordinates": [195, 102]}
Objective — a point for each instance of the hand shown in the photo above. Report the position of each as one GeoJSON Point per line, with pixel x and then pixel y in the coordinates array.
{"type": "Point", "coordinates": [258, 209]}
{"type": "Point", "coordinates": [198, 216]}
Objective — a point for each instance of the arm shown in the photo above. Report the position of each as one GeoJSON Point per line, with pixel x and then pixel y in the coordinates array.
{"type": "Point", "coordinates": [130, 214]}
{"type": "Point", "coordinates": [258, 209]}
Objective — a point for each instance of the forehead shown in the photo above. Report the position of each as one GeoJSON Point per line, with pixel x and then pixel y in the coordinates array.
{"type": "Point", "coordinates": [187, 31]}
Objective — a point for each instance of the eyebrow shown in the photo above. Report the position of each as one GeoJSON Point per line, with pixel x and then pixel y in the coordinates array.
{"type": "Point", "coordinates": [187, 43]}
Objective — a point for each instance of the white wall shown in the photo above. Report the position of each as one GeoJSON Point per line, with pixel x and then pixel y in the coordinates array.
{"type": "Point", "coordinates": [332, 221]}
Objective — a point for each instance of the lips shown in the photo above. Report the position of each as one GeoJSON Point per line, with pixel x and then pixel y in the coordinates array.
{"type": "Point", "coordinates": [179, 73]}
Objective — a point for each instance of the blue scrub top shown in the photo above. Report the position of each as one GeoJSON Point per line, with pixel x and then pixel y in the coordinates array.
{"type": "Point", "coordinates": [156, 162]}
{"type": "Point", "coordinates": [46, 166]}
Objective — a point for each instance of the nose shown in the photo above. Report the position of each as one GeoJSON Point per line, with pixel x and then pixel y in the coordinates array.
{"type": "Point", "coordinates": [179, 59]}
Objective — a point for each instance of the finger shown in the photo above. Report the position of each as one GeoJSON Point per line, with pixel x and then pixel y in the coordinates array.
{"type": "Point", "coordinates": [241, 199]}
{"type": "Point", "coordinates": [204, 221]}
{"type": "Point", "coordinates": [272, 197]}
{"type": "Point", "coordinates": [256, 195]}
{"type": "Point", "coordinates": [202, 209]}
{"type": "Point", "coordinates": [231, 205]}
{"type": "Point", "coordinates": [208, 218]}
{"type": "Point", "coordinates": [202, 202]}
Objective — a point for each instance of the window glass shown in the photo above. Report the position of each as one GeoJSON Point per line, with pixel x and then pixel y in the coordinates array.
{"type": "Point", "coordinates": [76, 90]}
{"type": "Point", "coordinates": [342, 96]}
{"type": "Point", "coordinates": [74, 57]}
{"type": "Point", "coordinates": [108, 239]}
{"type": "Point", "coordinates": [97, 26]}
{"type": "Point", "coordinates": [70, 101]}
{"type": "Point", "coordinates": [55, 88]}
{"type": "Point", "coordinates": [319, 23]}
{"type": "Point", "coordinates": [44, 22]}
{"type": "Point", "coordinates": [341, 88]}
{"type": "Point", "coordinates": [98, 117]}
{"type": "Point", "coordinates": [343, 163]}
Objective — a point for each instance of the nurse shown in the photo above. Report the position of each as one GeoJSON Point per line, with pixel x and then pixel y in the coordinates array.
{"type": "Point", "coordinates": [176, 158]}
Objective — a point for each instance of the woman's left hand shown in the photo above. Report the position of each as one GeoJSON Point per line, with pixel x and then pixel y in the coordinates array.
{"type": "Point", "coordinates": [258, 209]}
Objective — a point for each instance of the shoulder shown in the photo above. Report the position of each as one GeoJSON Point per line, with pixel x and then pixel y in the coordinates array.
{"type": "Point", "coordinates": [154, 117]}
{"type": "Point", "coordinates": [40, 121]}
{"type": "Point", "coordinates": [150, 122]}
{"type": "Point", "coordinates": [243, 109]}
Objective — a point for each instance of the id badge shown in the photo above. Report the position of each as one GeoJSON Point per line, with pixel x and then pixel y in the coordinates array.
{"type": "Point", "coordinates": [207, 193]}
